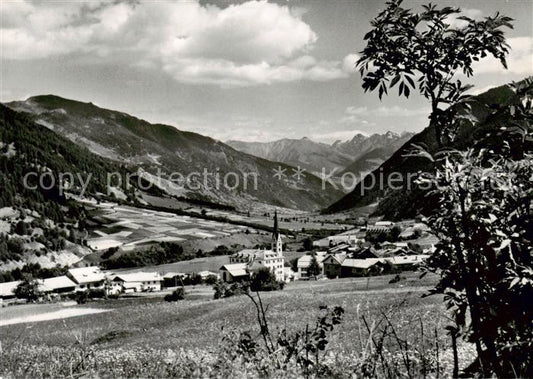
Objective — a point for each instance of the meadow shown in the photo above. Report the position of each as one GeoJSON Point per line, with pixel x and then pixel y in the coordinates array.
{"type": "Point", "coordinates": [148, 337]}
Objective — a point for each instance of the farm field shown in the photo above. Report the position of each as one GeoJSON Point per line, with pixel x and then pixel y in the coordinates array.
{"type": "Point", "coordinates": [129, 227]}
{"type": "Point", "coordinates": [298, 219]}
{"type": "Point", "coordinates": [140, 332]}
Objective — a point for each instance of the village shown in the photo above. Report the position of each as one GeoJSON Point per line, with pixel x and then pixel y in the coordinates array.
{"type": "Point", "coordinates": [360, 252]}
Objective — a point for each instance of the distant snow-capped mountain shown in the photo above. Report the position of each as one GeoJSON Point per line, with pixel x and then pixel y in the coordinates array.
{"type": "Point", "coordinates": [317, 156]}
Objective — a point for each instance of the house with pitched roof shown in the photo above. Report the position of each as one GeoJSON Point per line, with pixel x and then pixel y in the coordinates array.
{"type": "Point", "coordinates": [234, 272]}
{"type": "Point", "coordinates": [332, 265]}
{"type": "Point", "coordinates": [304, 262]}
{"type": "Point", "coordinates": [58, 284]}
{"type": "Point", "coordinates": [136, 282]}
{"type": "Point", "coordinates": [358, 267]}
{"type": "Point", "coordinates": [87, 277]}
{"type": "Point", "coordinates": [7, 289]}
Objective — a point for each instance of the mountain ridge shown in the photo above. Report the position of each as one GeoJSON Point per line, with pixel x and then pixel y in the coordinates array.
{"type": "Point", "coordinates": [164, 149]}
{"type": "Point", "coordinates": [317, 156]}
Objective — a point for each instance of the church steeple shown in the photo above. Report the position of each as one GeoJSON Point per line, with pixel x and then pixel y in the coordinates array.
{"type": "Point", "coordinates": [277, 246]}
{"type": "Point", "coordinates": [276, 227]}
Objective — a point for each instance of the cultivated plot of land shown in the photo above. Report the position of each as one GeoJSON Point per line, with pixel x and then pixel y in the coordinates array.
{"type": "Point", "coordinates": [289, 219]}
{"type": "Point", "coordinates": [130, 227]}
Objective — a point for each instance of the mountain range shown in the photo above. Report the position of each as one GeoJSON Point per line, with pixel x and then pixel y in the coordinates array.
{"type": "Point", "coordinates": [360, 154]}
{"type": "Point", "coordinates": [113, 139]}
{"type": "Point", "coordinates": [199, 163]}
{"type": "Point", "coordinates": [479, 123]}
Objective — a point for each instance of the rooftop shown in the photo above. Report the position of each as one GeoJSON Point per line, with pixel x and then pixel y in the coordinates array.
{"type": "Point", "coordinates": [139, 277]}
{"type": "Point", "coordinates": [8, 288]}
{"type": "Point", "coordinates": [235, 269]}
{"type": "Point", "coordinates": [58, 282]}
{"type": "Point", "coordinates": [361, 263]}
{"type": "Point", "coordinates": [83, 275]}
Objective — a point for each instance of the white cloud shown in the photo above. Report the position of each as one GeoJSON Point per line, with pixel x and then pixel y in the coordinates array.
{"type": "Point", "coordinates": [519, 60]}
{"type": "Point", "coordinates": [251, 43]}
{"type": "Point", "coordinates": [475, 14]}
{"type": "Point", "coordinates": [349, 61]}
{"type": "Point", "coordinates": [394, 111]}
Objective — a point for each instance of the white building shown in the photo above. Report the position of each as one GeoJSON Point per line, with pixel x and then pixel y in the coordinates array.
{"type": "Point", "coordinates": [255, 259]}
{"type": "Point", "coordinates": [234, 272]}
{"type": "Point", "coordinates": [7, 289]}
{"type": "Point", "coordinates": [350, 239]}
{"type": "Point", "coordinates": [58, 284]}
{"type": "Point", "coordinates": [206, 274]}
{"type": "Point", "coordinates": [136, 282]}
{"type": "Point", "coordinates": [304, 262]}
{"type": "Point", "coordinates": [87, 277]}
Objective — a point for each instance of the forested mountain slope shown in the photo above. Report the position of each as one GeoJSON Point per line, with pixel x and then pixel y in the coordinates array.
{"type": "Point", "coordinates": [165, 150]}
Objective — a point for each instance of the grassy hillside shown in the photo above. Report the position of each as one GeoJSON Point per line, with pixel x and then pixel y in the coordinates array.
{"type": "Point", "coordinates": [147, 337]}
{"type": "Point", "coordinates": [35, 148]}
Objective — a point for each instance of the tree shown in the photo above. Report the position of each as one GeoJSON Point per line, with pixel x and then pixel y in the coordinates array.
{"type": "Point", "coordinates": [294, 264]}
{"type": "Point", "coordinates": [404, 46]}
{"type": "Point", "coordinates": [394, 233]}
{"type": "Point", "coordinates": [484, 258]}
{"type": "Point", "coordinates": [21, 228]}
{"type": "Point", "coordinates": [314, 268]}
{"type": "Point", "coordinates": [308, 244]}
{"type": "Point", "coordinates": [485, 227]}
{"type": "Point", "coordinates": [28, 289]}
{"type": "Point", "coordinates": [264, 280]}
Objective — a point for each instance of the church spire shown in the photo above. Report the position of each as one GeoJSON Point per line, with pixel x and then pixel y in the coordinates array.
{"type": "Point", "coordinates": [275, 233]}
{"type": "Point", "coordinates": [277, 245]}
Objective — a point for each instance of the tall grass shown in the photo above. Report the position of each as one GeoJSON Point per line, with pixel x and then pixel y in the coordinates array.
{"type": "Point", "coordinates": [391, 343]}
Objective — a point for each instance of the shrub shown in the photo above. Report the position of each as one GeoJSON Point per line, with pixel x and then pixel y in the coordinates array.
{"type": "Point", "coordinates": [211, 279]}
{"type": "Point", "coordinates": [396, 279]}
{"type": "Point", "coordinates": [302, 349]}
{"type": "Point", "coordinates": [192, 279]}
{"type": "Point", "coordinates": [223, 290]}
{"type": "Point", "coordinates": [177, 294]}
{"type": "Point", "coordinates": [96, 293]}
{"type": "Point", "coordinates": [81, 297]}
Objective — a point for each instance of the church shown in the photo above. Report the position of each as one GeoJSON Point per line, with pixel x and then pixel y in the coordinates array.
{"type": "Point", "coordinates": [249, 260]}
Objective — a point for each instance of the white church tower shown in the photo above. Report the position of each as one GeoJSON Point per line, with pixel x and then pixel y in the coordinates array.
{"type": "Point", "coordinates": [277, 246]}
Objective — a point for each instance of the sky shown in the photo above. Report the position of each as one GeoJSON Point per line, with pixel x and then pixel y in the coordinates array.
{"type": "Point", "coordinates": [242, 70]}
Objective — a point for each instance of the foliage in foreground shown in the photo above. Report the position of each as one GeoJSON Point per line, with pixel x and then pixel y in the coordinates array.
{"type": "Point", "coordinates": [485, 225]}
{"type": "Point", "coordinates": [404, 46]}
